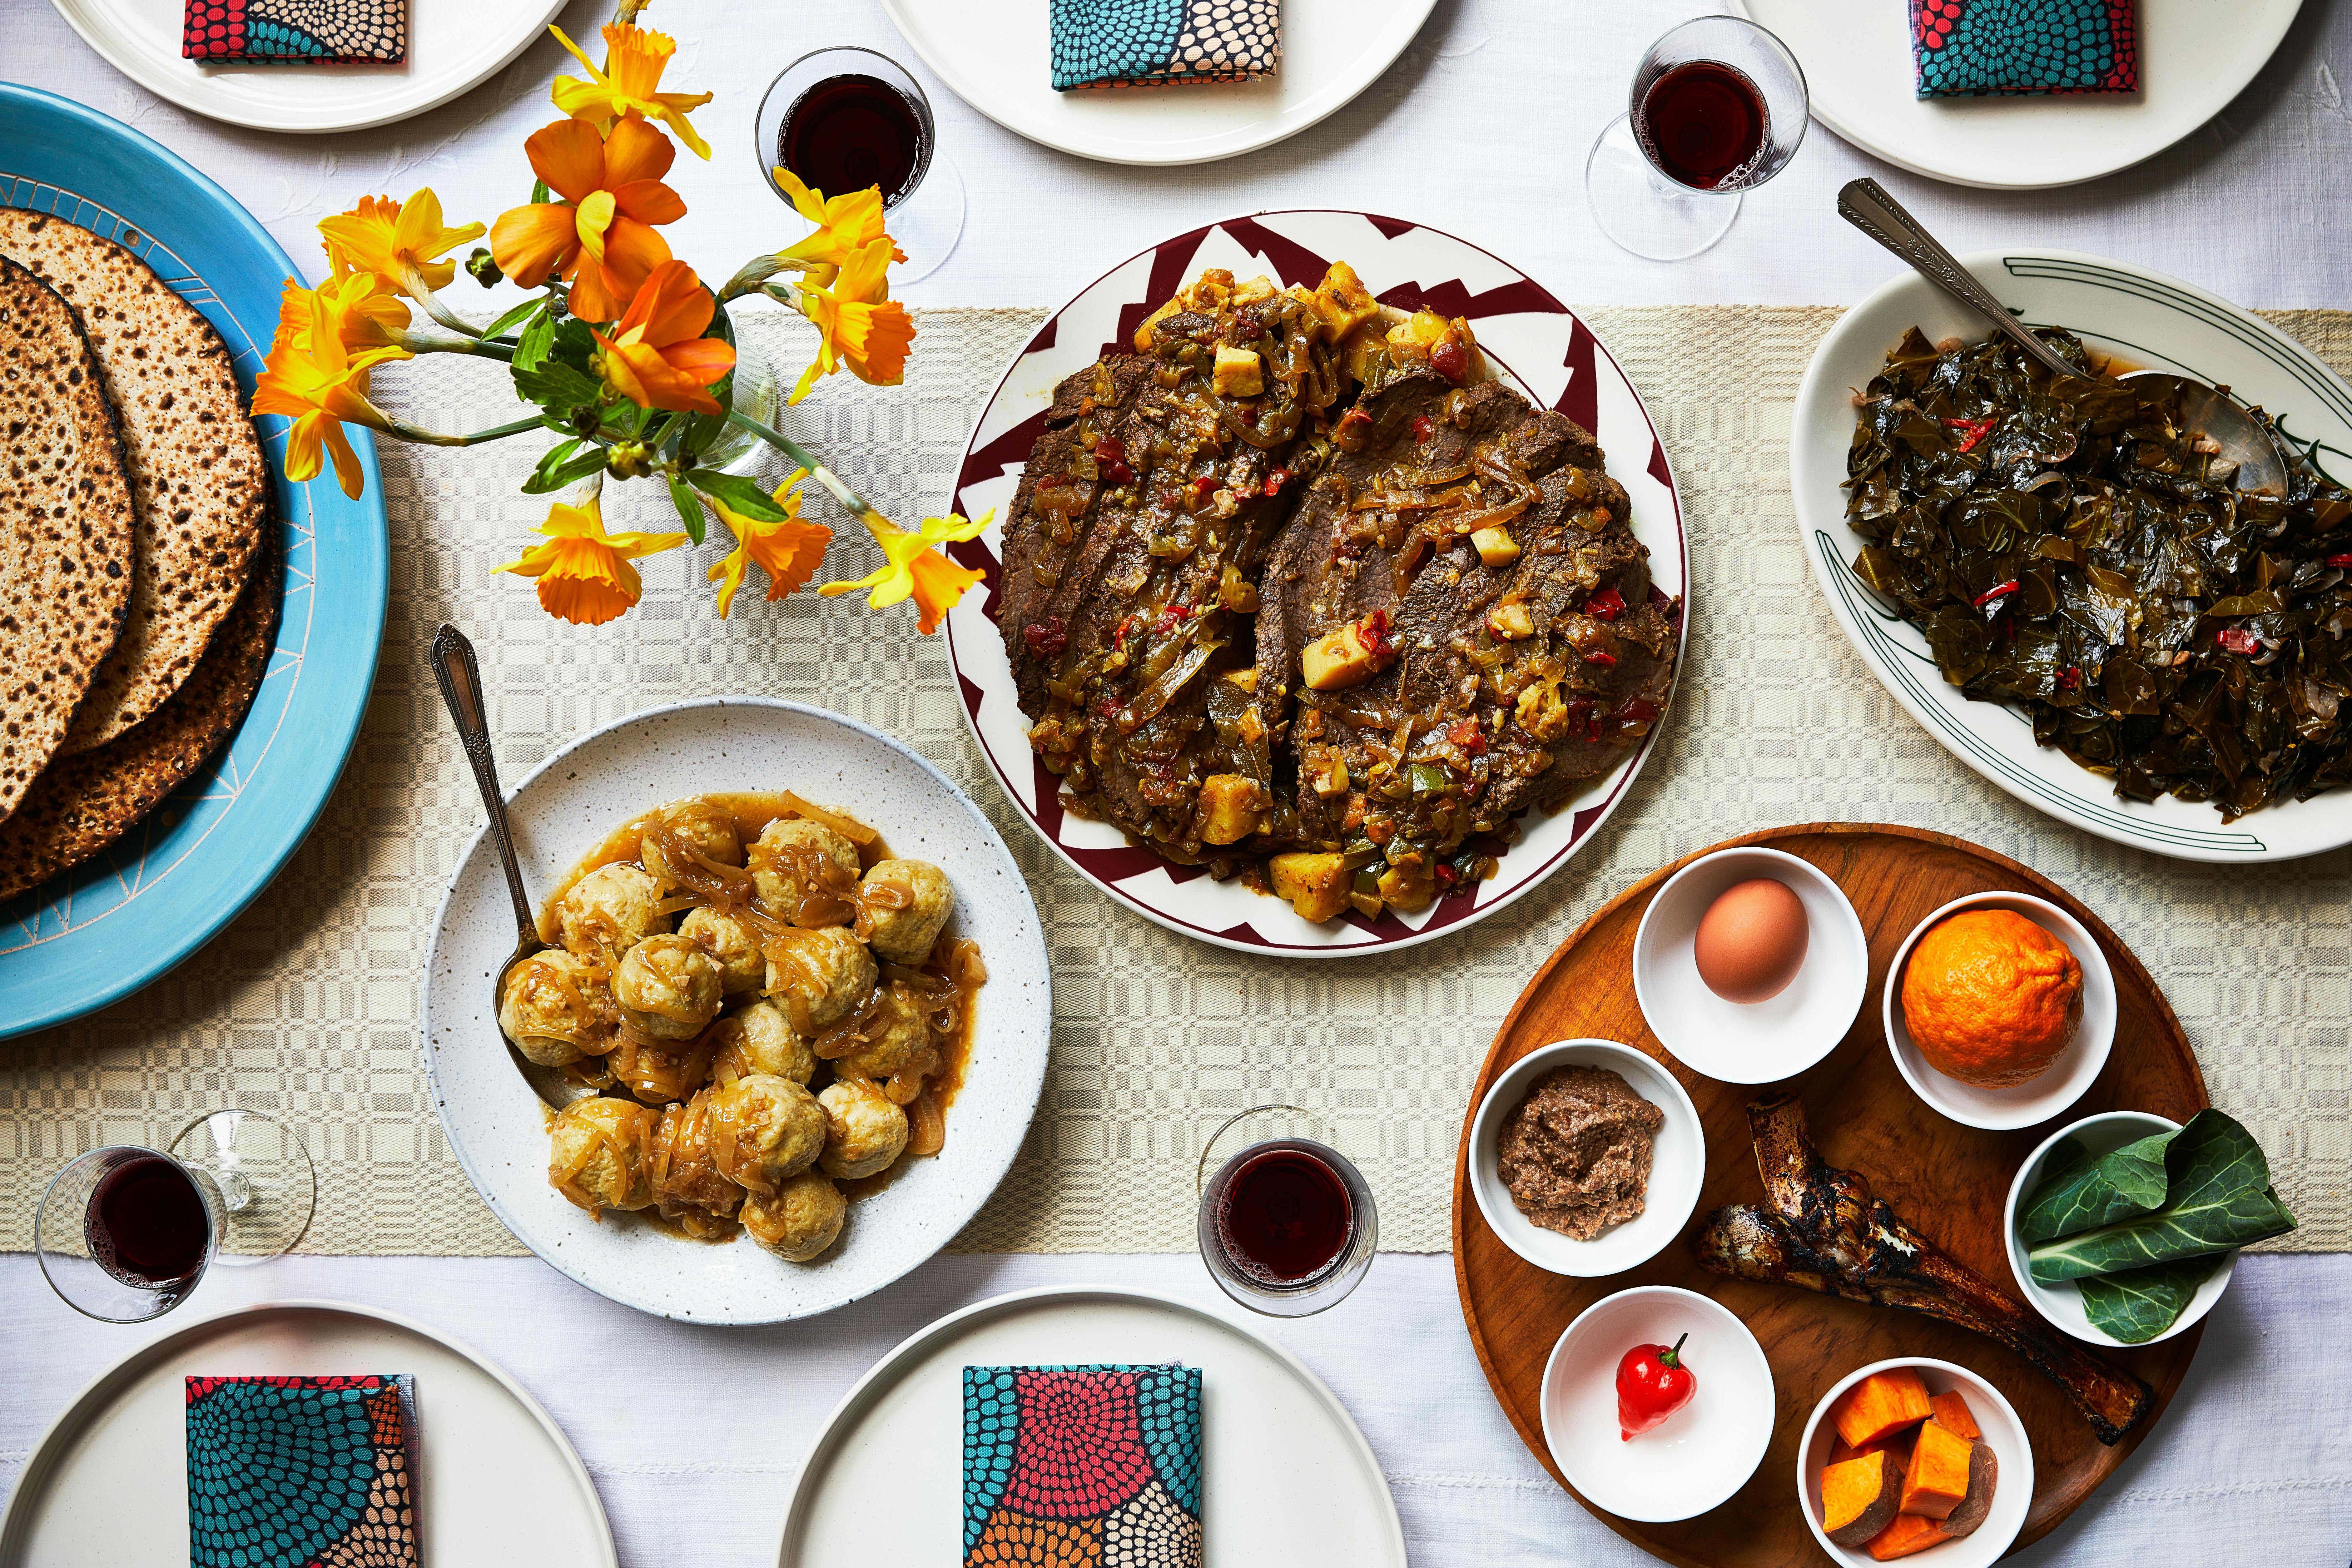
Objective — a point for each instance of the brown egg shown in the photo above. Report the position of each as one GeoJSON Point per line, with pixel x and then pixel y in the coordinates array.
{"type": "Point", "coordinates": [1751, 941]}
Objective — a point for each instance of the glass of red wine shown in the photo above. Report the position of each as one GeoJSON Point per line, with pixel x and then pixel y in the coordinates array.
{"type": "Point", "coordinates": [844, 118]}
{"type": "Point", "coordinates": [123, 1233]}
{"type": "Point", "coordinates": [1286, 1224]}
{"type": "Point", "coordinates": [1718, 107]}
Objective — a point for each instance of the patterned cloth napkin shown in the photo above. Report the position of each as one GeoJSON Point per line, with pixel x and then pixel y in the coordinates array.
{"type": "Point", "coordinates": [309, 1472]}
{"type": "Point", "coordinates": [296, 32]}
{"type": "Point", "coordinates": [1978, 48]}
{"type": "Point", "coordinates": [1082, 1466]}
{"type": "Point", "coordinates": [1159, 43]}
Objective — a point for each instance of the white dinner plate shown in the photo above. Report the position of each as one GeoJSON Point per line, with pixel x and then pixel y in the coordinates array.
{"type": "Point", "coordinates": [454, 46]}
{"type": "Point", "coordinates": [2195, 56]}
{"type": "Point", "coordinates": [563, 810]}
{"type": "Point", "coordinates": [1285, 1477]}
{"type": "Point", "coordinates": [107, 1485]}
{"type": "Point", "coordinates": [2146, 321]}
{"type": "Point", "coordinates": [1535, 344]}
{"type": "Point", "coordinates": [997, 59]}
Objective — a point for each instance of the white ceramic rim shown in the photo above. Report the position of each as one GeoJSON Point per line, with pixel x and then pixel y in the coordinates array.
{"type": "Point", "coordinates": [1976, 1385]}
{"type": "Point", "coordinates": [969, 81]}
{"type": "Point", "coordinates": [1514, 1228]}
{"type": "Point", "coordinates": [885, 1371]}
{"type": "Point", "coordinates": [557, 1259]}
{"type": "Point", "coordinates": [187, 90]}
{"type": "Point", "coordinates": [1926, 1083]}
{"type": "Point", "coordinates": [1802, 867]}
{"type": "Point", "coordinates": [91, 1402]}
{"type": "Point", "coordinates": [1704, 1305]}
{"type": "Point", "coordinates": [2039, 1296]}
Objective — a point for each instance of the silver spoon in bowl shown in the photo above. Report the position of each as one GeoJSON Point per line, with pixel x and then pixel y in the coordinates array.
{"type": "Point", "coordinates": [2238, 437]}
{"type": "Point", "coordinates": [461, 688]}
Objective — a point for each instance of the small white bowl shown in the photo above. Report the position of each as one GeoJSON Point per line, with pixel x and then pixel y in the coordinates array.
{"type": "Point", "coordinates": [2062, 1303]}
{"type": "Point", "coordinates": [2004, 1109]}
{"type": "Point", "coordinates": [1677, 1167]}
{"type": "Point", "coordinates": [2012, 1492]}
{"type": "Point", "coordinates": [1702, 1453]}
{"type": "Point", "coordinates": [1760, 1042]}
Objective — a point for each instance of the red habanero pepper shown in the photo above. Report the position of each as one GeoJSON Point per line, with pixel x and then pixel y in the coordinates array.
{"type": "Point", "coordinates": [1973, 431]}
{"type": "Point", "coordinates": [1605, 605]}
{"type": "Point", "coordinates": [1652, 1384]}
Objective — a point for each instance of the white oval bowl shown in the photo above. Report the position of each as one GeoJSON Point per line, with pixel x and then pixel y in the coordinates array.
{"type": "Point", "coordinates": [1702, 1453]}
{"type": "Point", "coordinates": [1760, 1042]}
{"type": "Point", "coordinates": [2065, 1080]}
{"type": "Point", "coordinates": [2062, 1303]}
{"type": "Point", "coordinates": [562, 809]}
{"type": "Point", "coordinates": [1677, 1169]}
{"type": "Point", "coordinates": [2003, 1432]}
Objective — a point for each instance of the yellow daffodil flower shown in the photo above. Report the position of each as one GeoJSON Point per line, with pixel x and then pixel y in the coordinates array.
{"type": "Point", "coordinates": [363, 313]}
{"type": "Point", "coordinates": [860, 325]}
{"type": "Point", "coordinates": [787, 551]}
{"type": "Point", "coordinates": [846, 226]}
{"type": "Point", "coordinates": [656, 356]}
{"type": "Point", "coordinates": [583, 573]}
{"type": "Point", "coordinates": [629, 84]}
{"type": "Point", "coordinates": [319, 384]}
{"type": "Point", "coordinates": [912, 565]}
{"type": "Point", "coordinates": [397, 241]}
{"type": "Point", "coordinates": [600, 239]}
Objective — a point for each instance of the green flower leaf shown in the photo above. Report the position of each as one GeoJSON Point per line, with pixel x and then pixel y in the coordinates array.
{"type": "Point", "coordinates": [556, 385]}
{"type": "Point", "coordinates": [514, 318]}
{"type": "Point", "coordinates": [689, 510]}
{"type": "Point", "coordinates": [741, 496]}
{"type": "Point", "coordinates": [563, 465]}
{"type": "Point", "coordinates": [531, 348]}
{"type": "Point", "coordinates": [2218, 1197]}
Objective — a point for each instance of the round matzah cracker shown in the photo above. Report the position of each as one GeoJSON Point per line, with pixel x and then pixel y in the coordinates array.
{"type": "Point", "coordinates": [197, 478]}
{"type": "Point", "coordinates": [66, 535]}
{"type": "Point", "coordinates": [88, 800]}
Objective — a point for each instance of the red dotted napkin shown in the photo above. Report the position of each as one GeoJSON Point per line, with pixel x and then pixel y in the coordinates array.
{"type": "Point", "coordinates": [296, 32]}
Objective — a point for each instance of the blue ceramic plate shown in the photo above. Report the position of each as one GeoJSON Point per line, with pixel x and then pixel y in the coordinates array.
{"type": "Point", "coordinates": [117, 922]}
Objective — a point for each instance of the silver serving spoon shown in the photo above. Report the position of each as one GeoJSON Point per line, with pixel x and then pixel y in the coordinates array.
{"type": "Point", "coordinates": [461, 688]}
{"type": "Point", "coordinates": [2210, 413]}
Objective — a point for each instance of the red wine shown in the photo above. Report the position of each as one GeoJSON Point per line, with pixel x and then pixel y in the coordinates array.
{"type": "Point", "coordinates": [146, 1224]}
{"type": "Point", "coordinates": [1285, 1217]}
{"type": "Point", "coordinates": [1700, 122]}
{"type": "Point", "coordinates": [848, 132]}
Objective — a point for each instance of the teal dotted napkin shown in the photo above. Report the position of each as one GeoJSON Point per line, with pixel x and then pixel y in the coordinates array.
{"type": "Point", "coordinates": [1158, 43]}
{"type": "Point", "coordinates": [301, 1472]}
{"type": "Point", "coordinates": [1981, 48]}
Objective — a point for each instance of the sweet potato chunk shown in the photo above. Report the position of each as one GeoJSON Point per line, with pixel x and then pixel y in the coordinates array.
{"type": "Point", "coordinates": [1908, 1533]}
{"type": "Point", "coordinates": [1950, 1412]}
{"type": "Point", "coordinates": [1937, 1477]}
{"type": "Point", "coordinates": [1881, 1403]}
{"type": "Point", "coordinates": [1984, 1474]}
{"type": "Point", "coordinates": [1859, 1497]}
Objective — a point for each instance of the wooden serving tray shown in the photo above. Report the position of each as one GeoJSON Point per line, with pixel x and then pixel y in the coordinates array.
{"type": "Point", "coordinates": [1947, 1180]}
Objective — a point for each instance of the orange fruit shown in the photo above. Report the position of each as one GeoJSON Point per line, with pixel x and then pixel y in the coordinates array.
{"type": "Point", "coordinates": [1990, 998]}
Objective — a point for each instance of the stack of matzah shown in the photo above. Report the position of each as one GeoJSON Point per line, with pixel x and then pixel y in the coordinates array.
{"type": "Point", "coordinates": [139, 581]}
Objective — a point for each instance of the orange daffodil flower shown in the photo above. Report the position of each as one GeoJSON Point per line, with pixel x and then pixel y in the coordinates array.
{"type": "Point", "coordinates": [655, 355]}
{"type": "Point", "coordinates": [787, 550]}
{"type": "Point", "coordinates": [913, 566]}
{"type": "Point", "coordinates": [400, 242]}
{"type": "Point", "coordinates": [861, 326]}
{"type": "Point", "coordinates": [846, 226]}
{"type": "Point", "coordinates": [629, 85]}
{"type": "Point", "coordinates": [583, 573]}
{"type": "Point", "coordinates": [600, 239]}
{"type": "Point", "coordinates": [312, 377]}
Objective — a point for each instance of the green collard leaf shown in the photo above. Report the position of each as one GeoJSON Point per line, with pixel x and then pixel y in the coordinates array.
{"type": "Point", "coordinates": [514, 318]}
{"type": "Point", "coordinates": [531, 348]}
{"type": "Point", "coordinates": [563, 465]}
{"type": "Point", "coordinates": [556, 385]}
{"type": "Point", "coordinates": [2140, 1304]}
{"type": "Point", "coordinates": [2218, 1197]}
{"type": "Point", "coordinates": [689, 510]}
{"type": "Point", "coordinates": [742, 496]}
{"type": "Point", "coordinates": [2087, 1194]}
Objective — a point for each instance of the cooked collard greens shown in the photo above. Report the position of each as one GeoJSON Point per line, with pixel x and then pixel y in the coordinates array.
{"type": "Point", "coordinates": [2065, 546]}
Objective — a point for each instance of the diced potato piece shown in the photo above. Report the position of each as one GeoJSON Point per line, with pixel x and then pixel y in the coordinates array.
{"type": "Point", "coordinates": [1343, 302]}
{"type": "Point", "coordinates": [1540, 713]}
{"type": "Point", "coordinates": [1410, 887]}
{"type": "Point", "coordinates": [1511, 620]}
{"type": "Point", "coordinates": [1327, 770]}
{"type": "Point", "coordinates": [1496, 547]}
{"type": "Point", "coordinates": [1258, 287]}
{"type": "Point", "coordinates": [1229, 808]}
{"type": "Point", "coordinates": [1315, 884]}
{"type": "Point", "coordinates": [1143, 332]}
{"type": "Point", "coordinates": [1242, 680]}
{"type": "Point", "coordinates": [1347, 656]}
{"type": "Point", "coordinates": [1239, 372]}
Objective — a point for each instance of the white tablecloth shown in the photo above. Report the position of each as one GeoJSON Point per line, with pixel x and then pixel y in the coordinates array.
{"type": "Point", "coordinates": [2254, 1451]}
{"type": "Point", "coordinates": [1482, 129]}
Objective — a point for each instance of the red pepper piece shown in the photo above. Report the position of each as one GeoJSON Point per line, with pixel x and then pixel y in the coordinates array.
{"type": "Point", "coordinates": [1170, 616]}
{"type": "Point", "coordinates": [2237, 640]}
{"type": "Point", "coordinates": [1445, 875]}
{"type": "Point", "coordinates": [1374, 630]}
{"type": "Point", "coordinates": [1596, 657]}
{"type": "Point", "coordinates": [1652, 1384]}
{"type": "Point", "coordinates": [1424, 427]}
{"type": "Point", "coordinates": [1108, 708]}
{"type": "Point", "coordinates": [1045, 639]}
{"type": "Point", "coordinates": [1974, 431]}
{"type": "Point", "coordinates": [1605, 605]}
{"type": "Point", "coordinates": [1450, 360]}
{"type": "Point", "coordinates": [1997, 591]}
{"type": "Point", "coordinates": [2344, 560]}
{"type": "Point", "coordinates": [2070, 678]}
{"type": "Point", "coordinates": [1276, 480]}
{"type": "Point", "coordinates": [1111, 452]}
{"type": "Point", "coordinates": [1465, 733]}
{"type": "Point", "coordinates": [1204, 486]}
{"type": "Point", "coordinates": [1635, 711]}
{"type": "Point", "coordinates": [1249, 416]}
{"type": "Point", "coordinates": [1118, 637]}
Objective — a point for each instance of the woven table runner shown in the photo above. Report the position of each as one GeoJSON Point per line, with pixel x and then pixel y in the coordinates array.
{"type": "Point", "coordinates": [306, 1007]}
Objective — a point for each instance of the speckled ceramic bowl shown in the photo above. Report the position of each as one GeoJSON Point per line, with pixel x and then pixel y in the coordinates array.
{"type": "Point", "coordinates": [564, 809]}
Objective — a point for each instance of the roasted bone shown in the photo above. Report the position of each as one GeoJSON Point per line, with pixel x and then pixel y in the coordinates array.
{"type": "Point", "coordinates": [1825, 1231]}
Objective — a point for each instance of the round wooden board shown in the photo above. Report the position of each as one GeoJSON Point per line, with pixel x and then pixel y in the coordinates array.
{"type": "Point", "coordinates": [1947, 1180]}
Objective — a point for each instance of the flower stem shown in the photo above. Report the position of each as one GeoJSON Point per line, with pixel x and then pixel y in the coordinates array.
{"type": "Point", "coordinates": [489, 348]}
{"type": "Point", "coordinates": [407, 432]}
{"type": "Point", "coordinates": [853, 503]}
{"type": "Point", "coordinates": [417, 290]}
